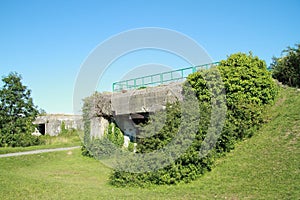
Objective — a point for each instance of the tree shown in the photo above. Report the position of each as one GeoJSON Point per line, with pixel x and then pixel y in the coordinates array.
{"type": "Point", "coordinates": [42, 112]}
{"type": "Point", "coordinates": [17, 112]}
{"type": "Point", "coordinates": [286, 69]}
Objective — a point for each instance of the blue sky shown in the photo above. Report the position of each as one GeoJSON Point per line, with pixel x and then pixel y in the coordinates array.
{"type": "Point", "coordinates": [47, 41]}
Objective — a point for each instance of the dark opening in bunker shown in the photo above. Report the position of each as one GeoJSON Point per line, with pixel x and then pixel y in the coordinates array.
{"type": "Point", "coordinates": [139, 118]}
{"type": "Point", "coordinates": [42, 128]}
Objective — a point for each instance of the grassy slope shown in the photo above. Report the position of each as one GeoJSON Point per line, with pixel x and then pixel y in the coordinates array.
{"type": "Point", "coordinates": [263, 167]}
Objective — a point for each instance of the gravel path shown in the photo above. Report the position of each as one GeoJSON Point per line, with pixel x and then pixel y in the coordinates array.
{"type": "Point", "coordinates": [38, 151]}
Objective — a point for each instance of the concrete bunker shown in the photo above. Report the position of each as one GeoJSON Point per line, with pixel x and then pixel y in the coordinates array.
{"type": "Point", "coordinates": [129, 109]}
{"type": "Point", "coordinates": [50, 124]}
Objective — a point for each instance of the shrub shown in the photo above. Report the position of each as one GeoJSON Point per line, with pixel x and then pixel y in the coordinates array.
{"type": "Point", "coordinates": [20, 140]}
{"type": "Point", "coordinates": [115, 135]}
{"type": "Point", "coordinates": [249, 87]}
{"type": "Point", "coordinates": [112, 140]}
{"type": "Point", "coordinates": [131, 147]}
{"type": "Point", "coordinates": [286, 69]}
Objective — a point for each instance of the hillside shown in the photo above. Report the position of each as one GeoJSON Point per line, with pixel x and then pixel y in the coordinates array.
{"type": "Point", "coordinates": [266, 166]}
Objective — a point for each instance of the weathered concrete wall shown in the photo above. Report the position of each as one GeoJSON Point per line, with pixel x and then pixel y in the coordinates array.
{"type": "Point", "coordinates": [149, 99]}
{"type": "Point", "coordinates": [53, 122]}
{"type": "Point", "coordinates": [98, 126]}
{"type": "Point", "coordinates": [120, 106]}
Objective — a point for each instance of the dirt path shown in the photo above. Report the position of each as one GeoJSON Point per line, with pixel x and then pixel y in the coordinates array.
{"type": "Point", "coordinates": [38, 151]}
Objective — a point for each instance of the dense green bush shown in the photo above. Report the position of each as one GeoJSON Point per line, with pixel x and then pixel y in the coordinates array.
{"type": "Point", "coordinates": [165, 132]}
{"type": "Point", "coordinates": [248, 87]}
{"type": "Point", "coordinates": [184, 168]}
{"type": "Point", "coordinates": [111, 142]}
{"type": "Point", "coordinates": [286, 69]}
{"type": "Point", "coordinates": [20, 140]}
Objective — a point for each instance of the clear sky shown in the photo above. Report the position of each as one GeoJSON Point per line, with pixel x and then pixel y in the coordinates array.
{"type": "Point", "coordinates": [46, 41]}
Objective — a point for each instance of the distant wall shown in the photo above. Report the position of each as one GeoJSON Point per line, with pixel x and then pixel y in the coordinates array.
{"type": "Point", "coordinates": [52, 122]}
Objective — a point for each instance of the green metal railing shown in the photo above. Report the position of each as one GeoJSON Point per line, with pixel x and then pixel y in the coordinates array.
{"type": "Point", "coordinates": [157, 79]}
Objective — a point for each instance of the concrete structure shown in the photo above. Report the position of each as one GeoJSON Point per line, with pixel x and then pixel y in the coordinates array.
{"type": "Point", "coordinates": [146, 100]}
{"type": "Point", "coordinates": [51, 123]}
{"type": "Point", "coordinates": [128, 108]}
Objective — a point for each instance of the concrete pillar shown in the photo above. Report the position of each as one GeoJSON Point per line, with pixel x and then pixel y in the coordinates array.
{"type": "Point", "coordinates": [98, 127]}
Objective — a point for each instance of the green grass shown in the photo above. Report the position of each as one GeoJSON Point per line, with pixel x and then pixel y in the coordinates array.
{"type": "Point", "coordinates": [267, 166]}
{"type": "Point", "coordinates": [69, 139]}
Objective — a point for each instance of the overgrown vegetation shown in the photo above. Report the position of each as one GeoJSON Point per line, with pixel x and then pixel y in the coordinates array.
{"type": "Point", "coordinates": [266, 166]}
{"type": "Point", "coordinates": [115, 135]}
{"type": "Point", "coordinates": [103, 147]}
{"type": "Point", "coordinates": [249, 88]}
{"type": "Point", "coordinates": [17, 112]}
{"type": "Point", "coordinates": [286, 68]}
{"type": "Point", "coordinates": [68, 136]}
{"type": "Point", "coordinates": [63, 129]}
{"type": "Point", "coordinates": [131, 147]}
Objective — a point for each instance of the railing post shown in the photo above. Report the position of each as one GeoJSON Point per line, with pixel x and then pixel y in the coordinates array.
{"type": "Point", "coordinates": [194, 69]}
{"type": "Point", "coordinates": [134, 83]}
